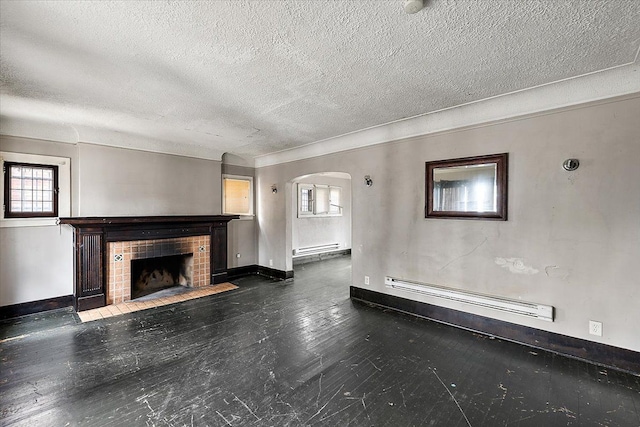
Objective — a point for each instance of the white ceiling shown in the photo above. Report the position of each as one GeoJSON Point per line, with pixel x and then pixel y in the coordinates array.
{"type": "Point", "coordinates": [256, 77]}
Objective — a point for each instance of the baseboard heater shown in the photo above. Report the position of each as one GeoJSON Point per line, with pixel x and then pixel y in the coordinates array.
{"type": "Point", "coordinates": [529, 309]}
{"type": "Point", "coordinates": [316, 249]}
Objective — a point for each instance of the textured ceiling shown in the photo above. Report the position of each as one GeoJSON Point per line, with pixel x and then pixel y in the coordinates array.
{"type": "Point", "coordinates": [254, 77]}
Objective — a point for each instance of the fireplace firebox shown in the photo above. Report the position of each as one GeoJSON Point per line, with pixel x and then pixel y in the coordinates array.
{"type": "Point", "coordinates": [150, 275]}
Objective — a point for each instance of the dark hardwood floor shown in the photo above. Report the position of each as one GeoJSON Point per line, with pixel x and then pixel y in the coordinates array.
{"type": "Point", "coordinates": [292, 353]}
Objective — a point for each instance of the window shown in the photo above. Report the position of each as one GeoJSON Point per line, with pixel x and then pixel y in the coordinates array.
{"type": "Point", "coordinates": [319, 200]}
{"type": "Point", "coordinates": [36, 189]}
{"type": "Point", "coordinates": [305, 204]}
{"type": "Point", "coordinates": [31, 190]}
{"type": "Point", "coordinates": [237, 195]}
{"type": "Point", "coordinates": [335, 206]}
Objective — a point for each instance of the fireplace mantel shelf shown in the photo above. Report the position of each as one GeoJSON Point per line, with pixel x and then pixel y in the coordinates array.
{"type": "Point", "coordinates": [92, 234]}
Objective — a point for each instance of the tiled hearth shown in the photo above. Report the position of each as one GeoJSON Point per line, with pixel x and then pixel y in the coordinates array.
{"type": "Point", "coordinates": [120, 254]}
{"type": "Point", "coordinates": [136, 305]}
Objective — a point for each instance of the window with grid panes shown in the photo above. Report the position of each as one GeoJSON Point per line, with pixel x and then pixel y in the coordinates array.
{"type": "Point", "coordinates": [305, 200]}
{"type": "Point", "coordinates": [31, 190]}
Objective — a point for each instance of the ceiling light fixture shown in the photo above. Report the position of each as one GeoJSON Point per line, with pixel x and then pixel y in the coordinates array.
{"type": "Point", "coordinates": [413, 6]}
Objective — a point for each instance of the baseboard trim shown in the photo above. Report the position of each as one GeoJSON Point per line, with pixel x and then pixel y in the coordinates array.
{"type": "Point", "coordinates": [91, 302]}
{"type": "Point", "coordinates": [275, 274]}
{"type": "Point", "coordinates": [600, 354]}
{"type": "Point", "coordinates": [237, 272]}
{"type": "Point", "coordinates": [32, 307]}
{"type": "Point", "coordinates": [322, 256]}
{"type": "Point", "coordinates": [217, 278]}
{"type": "Point", "coordinates": [22, 309]}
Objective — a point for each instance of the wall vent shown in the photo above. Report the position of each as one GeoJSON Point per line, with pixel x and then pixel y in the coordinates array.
{"type": "Point", "coordinates": [529, 309]}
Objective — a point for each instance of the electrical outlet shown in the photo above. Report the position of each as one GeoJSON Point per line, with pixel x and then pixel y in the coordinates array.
{"type": "Point", "coordinates": [366, 280]}
{"type": "Point", "coordinates": [270, 263]}
{"type": "Point", "coordinates": [595, 328]}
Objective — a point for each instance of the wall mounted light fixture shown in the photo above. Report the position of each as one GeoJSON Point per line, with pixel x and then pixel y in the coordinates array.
{"type": "Point", "coordinates": [274, 189]}
{"type": "Point", "coordinates": [368, 181]}
{"type": "Point", "coordinates": [413, 6]}
{"type": "Point", "coordinates": [571, 164]}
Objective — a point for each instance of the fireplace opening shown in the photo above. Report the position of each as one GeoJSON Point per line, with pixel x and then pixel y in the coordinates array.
{"type": "Point", "coordinates": [150, 275]}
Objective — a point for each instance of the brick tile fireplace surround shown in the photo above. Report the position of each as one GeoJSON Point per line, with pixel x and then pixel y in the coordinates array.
{"type": "Point", "coordinates": [120, 255]}
{"type": "Point", "coordinates": [105, 247]}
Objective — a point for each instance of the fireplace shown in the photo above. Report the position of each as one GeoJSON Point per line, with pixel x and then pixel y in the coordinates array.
{"type": "Point", "coordinates": [124, 255]}
{"type": "Point", "coordinates": [151, 275]}
{"type": "Point", "coordinates": [105, 248]}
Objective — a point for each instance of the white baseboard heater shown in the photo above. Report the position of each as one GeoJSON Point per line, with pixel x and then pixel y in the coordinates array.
{"type": "Point", "coordinates": [316, 249]}
{"type": "Point", "coordinates": [529, 309]}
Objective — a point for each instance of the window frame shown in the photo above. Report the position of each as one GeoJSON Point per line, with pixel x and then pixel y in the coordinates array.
{"type": "Point", "coordinates": [314, 206]}
{"type": "Point", "coordinates": [311, 204]}
{"type": "Point", "coordinates": [6, 167]}
{"type": "Point", "coordinates": [64, 188]}
{"type": "Point", "coordinates": [331, 204]}
{"type": "Point", "coordinates": [251, 213]}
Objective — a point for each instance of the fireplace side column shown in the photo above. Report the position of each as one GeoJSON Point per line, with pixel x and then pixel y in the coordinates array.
{"type": "Point", "coordinates": [219, 252]}
{"type": "Point", "coordinates": [89, 289]}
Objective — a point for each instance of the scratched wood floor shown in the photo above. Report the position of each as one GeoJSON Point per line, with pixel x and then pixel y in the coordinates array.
{"type": "Point", "coordinates": [291, 354]}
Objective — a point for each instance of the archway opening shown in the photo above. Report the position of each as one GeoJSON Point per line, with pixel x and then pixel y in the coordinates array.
{"type": "Point", "coordinates": [319, 217]}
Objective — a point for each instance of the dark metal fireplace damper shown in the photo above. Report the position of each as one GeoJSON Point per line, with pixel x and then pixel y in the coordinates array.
{"type": "Point", "coordinates": [151, 275]}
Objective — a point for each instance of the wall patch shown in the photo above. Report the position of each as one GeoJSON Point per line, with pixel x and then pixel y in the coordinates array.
{"type": "Point", "coordinates": [515, 265]}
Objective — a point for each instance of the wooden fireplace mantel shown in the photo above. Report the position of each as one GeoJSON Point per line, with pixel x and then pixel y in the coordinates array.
{"type": "Point", "coordinates": [93, 233]}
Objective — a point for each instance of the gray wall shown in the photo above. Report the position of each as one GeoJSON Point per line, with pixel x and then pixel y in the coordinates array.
{"type": "Point", "coordinates": [37, 262]}
{"type": "Point", "coordinates": [115, 181]}
{"type": "Point", "coordinates": [577, 234]}
{"type": "Point", "coordinates": [242, 238]}
{"type": "Point", "coordinates": [311, 230]}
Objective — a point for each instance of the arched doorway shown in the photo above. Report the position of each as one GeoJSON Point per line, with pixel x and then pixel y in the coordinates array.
{"type": "Point", "coordinates": [318, 217]}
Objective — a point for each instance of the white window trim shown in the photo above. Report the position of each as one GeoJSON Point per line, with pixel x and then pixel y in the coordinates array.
{"type": "Point", "coordinates": [340, 206]}
{"type": "Point", "coordinates": [251, 214]}
{"type": "Point", "coordinates": [64, 187]}
{"type": "Point", "coordinates": [301, 187]}
{"type": "Point", "coordinates": [313, 213]}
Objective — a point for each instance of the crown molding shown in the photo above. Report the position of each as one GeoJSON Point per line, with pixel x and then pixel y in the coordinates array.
{"type": "Point", "coordinates": [67, 134]}
{"type": "Point", "coordinates": [571, 93]}
{"type": "Point", "coordinates": [564, 94]}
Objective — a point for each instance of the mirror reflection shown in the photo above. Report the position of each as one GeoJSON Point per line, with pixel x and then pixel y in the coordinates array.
{"type": "Point", "coordinates": [470, 188]}
{"type": "Point", "coordinates": [467, 188]}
